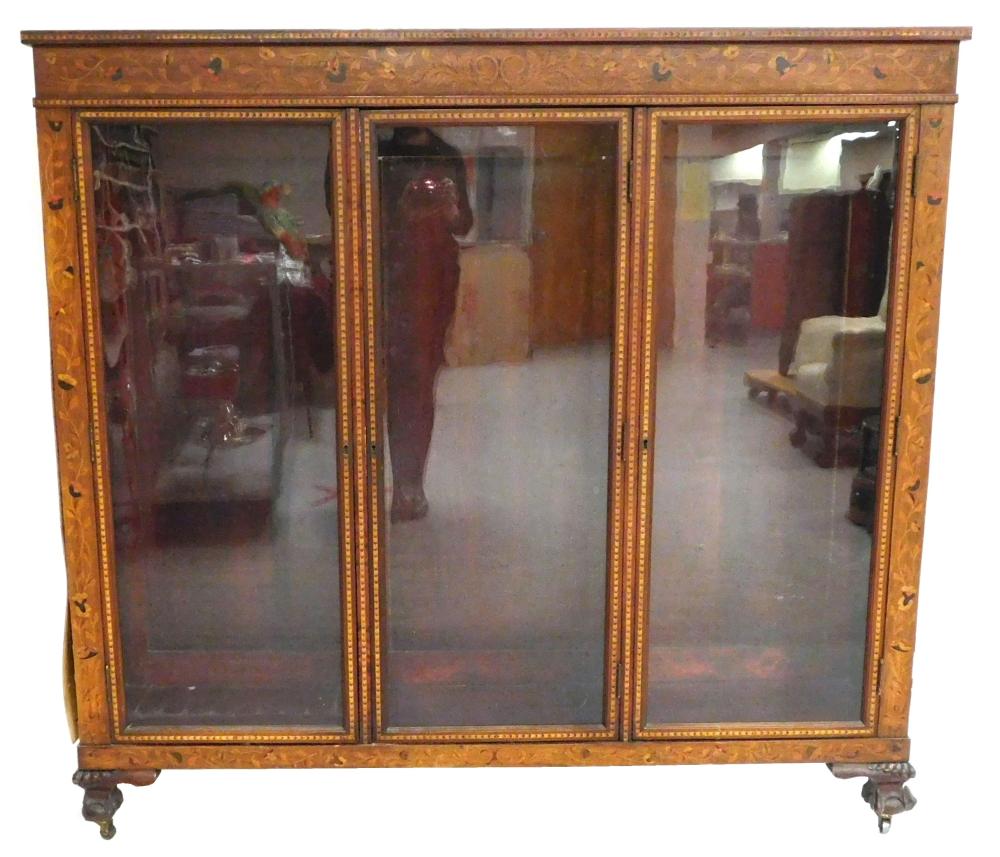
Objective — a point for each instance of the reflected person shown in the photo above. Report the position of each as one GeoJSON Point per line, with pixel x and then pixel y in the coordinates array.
{"type": "Point", "coordinates": [425, 205]}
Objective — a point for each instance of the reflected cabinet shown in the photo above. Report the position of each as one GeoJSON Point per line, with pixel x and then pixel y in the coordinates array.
{"type": "Point", "coordinates": [492, 398]}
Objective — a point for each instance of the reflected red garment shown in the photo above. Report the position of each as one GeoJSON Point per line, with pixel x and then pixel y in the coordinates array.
{"type": "Point", "coordinates": [424, 205]}
{"type": "Point", "coordinates": [423, 269]}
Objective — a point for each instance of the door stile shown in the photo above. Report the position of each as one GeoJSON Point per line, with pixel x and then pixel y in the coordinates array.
{"type": "Point", "coordinates": [881, 560]}
{"type": "Point", "coordinates": [620, 441]}
{"type": "Point", "coordinates": [359, 289]}
{"type": "Point", "coordinates": [371, 478]}
{"type": "Point", "coordinates": [345, 333]}
{"type": "Point", "coordinates": [647, 203]}
{"type": "Point", "coordinates": [99, 438]}
{"type": "Point", "coordinates": [636, 307]}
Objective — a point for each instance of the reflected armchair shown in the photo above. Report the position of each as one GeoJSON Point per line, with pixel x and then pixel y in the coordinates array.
{"type": "Point", "coordinates": [837, 372]}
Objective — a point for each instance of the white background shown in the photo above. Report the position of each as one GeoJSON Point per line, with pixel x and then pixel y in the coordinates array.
{"type": "Point", "coordinates": [780, 809]}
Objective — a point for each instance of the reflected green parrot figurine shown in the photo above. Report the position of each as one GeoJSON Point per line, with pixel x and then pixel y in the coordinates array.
{"type": "Point", "coordinates": [266, 203]}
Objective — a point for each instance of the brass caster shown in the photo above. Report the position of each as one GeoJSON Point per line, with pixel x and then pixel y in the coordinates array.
{"type": "Point", "coordinates": [102, 797]}
{"type": "Point", "coordinates": [885, 789]}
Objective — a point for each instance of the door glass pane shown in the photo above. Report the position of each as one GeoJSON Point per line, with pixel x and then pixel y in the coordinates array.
{"type": "Point", "coordinates": [772, 250]}
{"type": "Point", "coordinates": [214, 272]}
{"type": "Point", "coordinates": [497, 268]}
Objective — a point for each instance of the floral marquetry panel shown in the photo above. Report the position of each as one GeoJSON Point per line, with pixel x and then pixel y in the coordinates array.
{"type": "Point", "coordinates": [500, 755]}
{"type": "Point", "coordinates": [70, 402]}
{"type": "Point", "coordinates": [405, 72]}
{"type": "Point", "coordinates": [913, 443]}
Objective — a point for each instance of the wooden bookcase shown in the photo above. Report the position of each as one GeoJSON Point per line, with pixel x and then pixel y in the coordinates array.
{"type": "Point", "coordinates": [400, 401]}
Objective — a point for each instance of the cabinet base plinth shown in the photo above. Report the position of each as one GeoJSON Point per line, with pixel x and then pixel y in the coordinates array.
{"type": "Point", "coordinates": [102, 797]}
{"type": "Point", "coordinates": [885, 790]}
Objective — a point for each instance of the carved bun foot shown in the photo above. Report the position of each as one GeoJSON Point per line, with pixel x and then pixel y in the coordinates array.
{"type": "Point", "coordinates": [102, 797]}
{"type": "Point", "coordinates": [885, 790]}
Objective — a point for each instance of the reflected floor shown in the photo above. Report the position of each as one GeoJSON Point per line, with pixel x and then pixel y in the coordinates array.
{"type": "Point", "coordinates": [496, 598]}
{"type": "Point", "coordinates": [243, 600]}
{"type": "Point", "coordinates": [759, 581]}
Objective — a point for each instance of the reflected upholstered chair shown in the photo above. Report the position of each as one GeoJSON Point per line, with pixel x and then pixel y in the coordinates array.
{"type": "Point", "coordinates": [837, 372]}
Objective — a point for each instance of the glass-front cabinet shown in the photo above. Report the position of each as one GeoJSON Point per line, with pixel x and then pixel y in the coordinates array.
{"type": "Point", "coordinates": [493, 399]}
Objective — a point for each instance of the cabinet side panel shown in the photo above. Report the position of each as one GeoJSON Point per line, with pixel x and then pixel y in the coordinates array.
{"type": "Point", "coordinates": [70, 405]}
{"type": "Point", "coordinates": [914, 433]}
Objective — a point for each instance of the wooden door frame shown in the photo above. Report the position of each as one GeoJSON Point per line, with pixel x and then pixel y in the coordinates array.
{"type": "Point", "coordinates": [104, 567]}
{"type": "Point", "coordinates": [371, 519]}
{"type": "Point", "coordinates": [900, 306]}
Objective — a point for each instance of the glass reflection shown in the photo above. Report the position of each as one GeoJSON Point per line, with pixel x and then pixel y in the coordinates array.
{"type": "Point", "coordinates": [772, 261]}
{"type": "Point", "coordinates": [497, 263]}
{"type": "Point", "coordinates": [425, 205]}
{"type": "Point", "coordinates": [213, 253]}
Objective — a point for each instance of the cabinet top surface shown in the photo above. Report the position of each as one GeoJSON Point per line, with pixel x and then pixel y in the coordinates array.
{"type": "Point", "coordinates": [753, 34]}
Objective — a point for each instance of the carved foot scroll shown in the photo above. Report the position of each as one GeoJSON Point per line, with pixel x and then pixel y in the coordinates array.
{"type": "Point", "coordinates": [885, 791]}
{"type": "Point", "coordinates": [102, 797]}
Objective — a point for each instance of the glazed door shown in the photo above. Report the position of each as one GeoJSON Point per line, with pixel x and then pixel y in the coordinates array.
{"type": "Point", "coordinates": [215, 285]}
{"type": "Point", "coordinates": [769, 369]}
{"type": "Point", "coordinates": [496, 256]}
